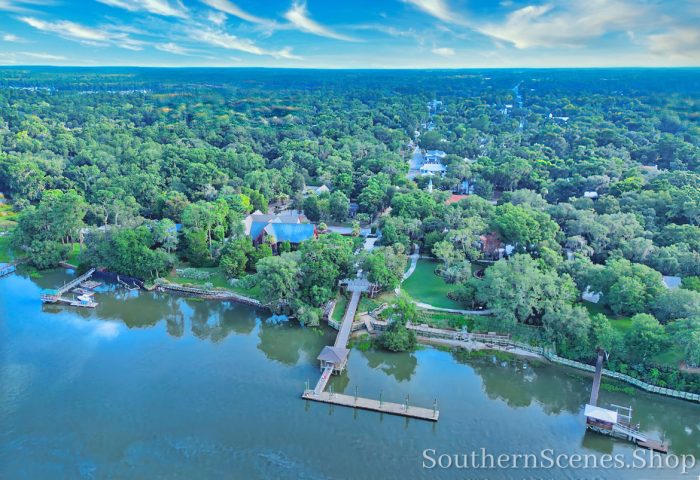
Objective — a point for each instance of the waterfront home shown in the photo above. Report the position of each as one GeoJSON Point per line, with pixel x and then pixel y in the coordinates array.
{"type": "Point", "coordinates": [285, 227]}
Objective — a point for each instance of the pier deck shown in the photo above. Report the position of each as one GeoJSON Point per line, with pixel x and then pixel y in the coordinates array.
{"type": "Point", "coordinates": [390, 408]}
{"type": "Point", "coordinates": [334, 358]}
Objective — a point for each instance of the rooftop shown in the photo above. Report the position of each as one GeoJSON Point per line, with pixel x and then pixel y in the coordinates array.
{"type": "Point", "coordinates": [336, 355]}
{"type": "Point", "coordinates": [602, 414]}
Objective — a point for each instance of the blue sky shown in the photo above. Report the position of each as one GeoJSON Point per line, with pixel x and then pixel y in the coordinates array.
{"type": "Point", "coordinates": [351, 33]}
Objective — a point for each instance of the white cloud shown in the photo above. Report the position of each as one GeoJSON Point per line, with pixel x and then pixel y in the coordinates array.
{"type": "Point", "coordinates": [438, 9]}
{"type": "Point", "coordinates": [42, 55]}
{"type": "Point", "coordinates": [30, 58]}
{"type": "Point", "coordinates": [444, 52]}
{"type": "Point", "coordinates": [174, 48]}
{"type": "Point", "coordinates": [22, 5]}
{"type": "Point", "coordinates": [231, 42]}
{"type": "Point", "coordinates": [9, 37]}
{"type": "Point", "coordinates": [298, 15]}
{"type": "Point", "coordinates": [217, 18]}
{"type": "Point", "coordinates": [681, 45]}
{"type": "Point", "coordinates": [564, 24]}
{"type": "Point", "coordinates": [157, 7]}
{"type": "Point", "coordinates": [231, 9]}
{"type": "Point", "coordinates": [83, 34]}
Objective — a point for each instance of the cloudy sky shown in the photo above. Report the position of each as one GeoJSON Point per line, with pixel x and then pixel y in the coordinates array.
{"type": "Point", "coordinates": [351, 33]}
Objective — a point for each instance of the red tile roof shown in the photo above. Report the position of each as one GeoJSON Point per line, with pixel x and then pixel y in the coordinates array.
{"type": "Point", "coordinates": [455, 198]}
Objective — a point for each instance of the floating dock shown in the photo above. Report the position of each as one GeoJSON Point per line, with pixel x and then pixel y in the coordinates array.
{"type": "Point", "coordinates": [57, 296]}
{"type": "Point", "coordinates": [380, 406]}
{"type": "Point", "coordinates": [612, 422]}
{"type": "Point", "coordinates": [6, 269]}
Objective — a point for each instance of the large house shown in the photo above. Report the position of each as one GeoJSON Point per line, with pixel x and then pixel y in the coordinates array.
{"type": "Point", "coordinates": [285, 227]}
{"type": "Point", "coordinates": [434, 156]}
{"type": "Point", "coordinates": [432, 169]}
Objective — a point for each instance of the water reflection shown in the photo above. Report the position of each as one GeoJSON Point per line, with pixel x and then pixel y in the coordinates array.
{"type": "Point", "coordinates": [521, 383]}
{"type": "Point", "coordinates": [287, 342]}
{"type": "Point", "coordinates": [398, 365]}
{"type": "Point", "coordinates": [119, 361]}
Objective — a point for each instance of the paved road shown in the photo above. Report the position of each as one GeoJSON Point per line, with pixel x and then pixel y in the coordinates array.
{"type": "Point", "coordinates": [414, 261]}
{"type": "Point", "coordinates": [415, 163]}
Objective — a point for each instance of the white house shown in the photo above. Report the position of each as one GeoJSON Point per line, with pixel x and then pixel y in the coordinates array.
{"type": "Point", "coordinates": [434, 156]}
{"type": "Point", "coordinates": [432, 169]}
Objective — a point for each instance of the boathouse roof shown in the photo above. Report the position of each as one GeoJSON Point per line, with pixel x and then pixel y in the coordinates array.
{"type": "Point", "coordinates": [601, 414]}
{"type": "Point", "coordinates": [333, 354]}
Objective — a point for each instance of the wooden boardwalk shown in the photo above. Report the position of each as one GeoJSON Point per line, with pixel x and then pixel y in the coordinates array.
{"type": "Point", "coordinates": [55, 296]}
{"type": "Point", "coordinates": [344, 334]}
{"type": "Point", "coordinates": [390, 408]}
{"type": "Point", "coordinates": [331, 364]}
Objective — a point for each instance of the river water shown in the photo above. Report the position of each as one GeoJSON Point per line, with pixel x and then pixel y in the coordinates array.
{"type": "Point", "coordinates": [150, 385]}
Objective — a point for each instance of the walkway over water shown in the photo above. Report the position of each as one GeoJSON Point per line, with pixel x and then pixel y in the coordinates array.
{"type": "Point", "coordinates": [404, 410]}
{"type": "Point", "coordinates": [344, 334]}
{"type": "Point", "coordinates": [55, 296]}
{"type": "Point", "coordinates": [334, 358]}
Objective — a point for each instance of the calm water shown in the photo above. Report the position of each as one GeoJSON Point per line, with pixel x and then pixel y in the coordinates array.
{"type": "Point", "coordinates": [155, 386]}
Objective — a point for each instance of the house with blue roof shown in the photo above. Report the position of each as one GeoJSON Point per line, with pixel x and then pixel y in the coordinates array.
{"type": "Point", "coordinates": [285, 227]}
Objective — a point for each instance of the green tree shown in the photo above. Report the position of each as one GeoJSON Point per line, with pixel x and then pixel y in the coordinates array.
{"type": "Point", "coordinates": [398, 338]}
{"type": "Point", "coordinates": [278, 279]}
{"type": "Point", "coordinates": [234, 257]}
{"type": "Point", "coordinates": [339, 206]}
{"type": "Point", "coordinates": [518, 291]}
{"type": "Point", "coordinates": [385, 266]}
{"type": "Point", "coordinates": [645, 338]}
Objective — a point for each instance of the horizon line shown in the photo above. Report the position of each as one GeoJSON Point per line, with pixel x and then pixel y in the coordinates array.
{"type": "Point", "coordinates": [250, 67]}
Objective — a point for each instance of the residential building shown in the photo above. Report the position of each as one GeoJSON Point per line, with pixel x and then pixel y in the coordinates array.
{"type": "Point", "coordinates": [284, 227]}
{"type": "Point", "coordinates": [432, 169]}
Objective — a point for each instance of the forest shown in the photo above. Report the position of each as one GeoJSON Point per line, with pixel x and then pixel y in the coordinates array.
{"type": "Point", "coordinates": [586, 183]}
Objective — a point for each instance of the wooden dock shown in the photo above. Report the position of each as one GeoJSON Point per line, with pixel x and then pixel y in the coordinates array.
{"type": "Point", "coordinates": [6, 269]}
{"type": "Point", "coordinates": [56, 296]}
{"type": "Point", "coordinates": [334, 358]}
{"type": "Point", "coordinates": [379, 406]}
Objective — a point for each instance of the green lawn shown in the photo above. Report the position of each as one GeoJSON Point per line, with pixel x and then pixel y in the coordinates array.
{"type": "Point", "coordinates": [445, 320]}
{"type": "Point", "coordinates": [218, 280]}
{"type": "Point", "coordinates": [671, 357]}
{"type": "Point", "coordinates": [340, 305]}
{"type": "Point", "coordinates": [426, 287]}
{"type": "Point", "coordinates": [620, 323]}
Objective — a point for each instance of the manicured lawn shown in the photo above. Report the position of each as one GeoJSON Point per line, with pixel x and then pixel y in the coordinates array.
{"type": "Point", "coordinates": [670, 357]}
{"type": "Point", "coordinates": [445, 320]}
{"type": "Point", "coordinates": [620, 323]}
{"type": "Point", "coordinates": [340, 305]}
{"type": "Point", "coordinates": [253, 292]}
{"type": "Point", "coordinates": [426, 287]}
{"type": "Point", "coordinates": [366, 304]}
{"type": "Point", "coordinates": [218, 280]}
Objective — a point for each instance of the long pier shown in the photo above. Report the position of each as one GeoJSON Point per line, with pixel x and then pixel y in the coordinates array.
{"type": "Point", "coordinates": [334, 358]}
{"type": "Point", "coordinates": [404, 410]}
